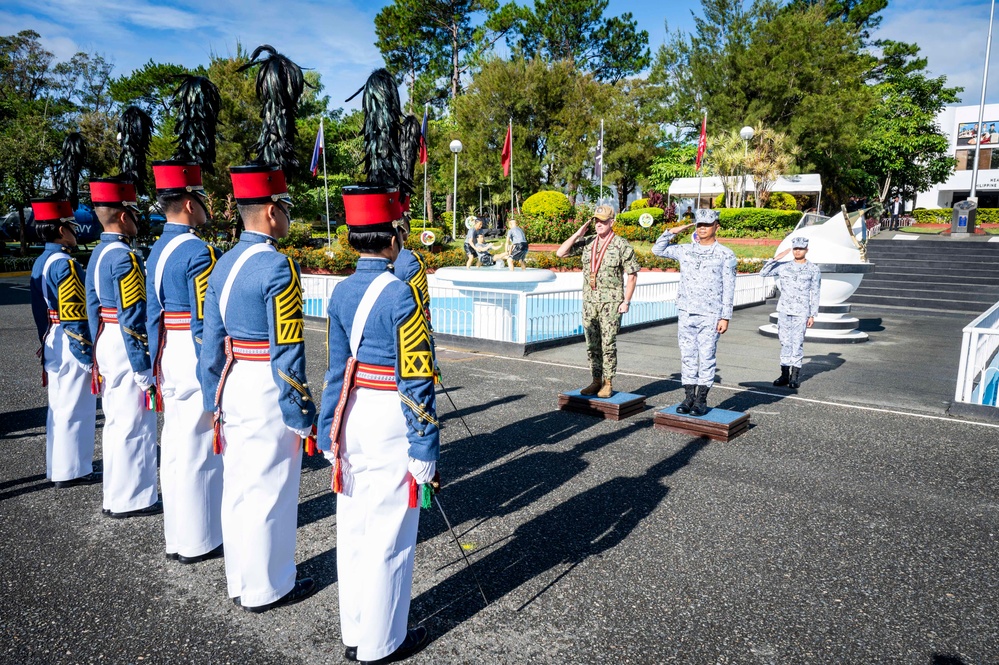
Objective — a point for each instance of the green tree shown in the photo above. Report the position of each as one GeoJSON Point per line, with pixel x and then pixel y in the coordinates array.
{"type": "Point", "coordinates": [675, 161]}
{"type": "Point", "coordinates": [903, 147]}
{"type": "Point", "coordinates": [150, 87]}
{"type": "Point", "coordinates": [610, 48]}
{"type": "Point", "coordinates": [631, 136]}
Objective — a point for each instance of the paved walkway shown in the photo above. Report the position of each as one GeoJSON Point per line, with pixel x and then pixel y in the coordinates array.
{"type": "Point", "coordinates": [826, 534]}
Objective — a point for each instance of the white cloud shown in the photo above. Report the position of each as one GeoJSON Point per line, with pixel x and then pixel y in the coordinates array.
{"type": "Point", "coordinates": [953, 41]}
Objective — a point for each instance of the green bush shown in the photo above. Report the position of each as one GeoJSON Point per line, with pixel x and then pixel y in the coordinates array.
{"type": "Point", "coordinates": [719, 201]}
{"type": "Point", "coordinates": [583, 211]}
{"type": "Point", "coordinates": [548, 205]}
{"type": "Point", "coordinates": [539, 229]}
{"type": "Point", "coordinates": [757, 222]}
{"type": "Point", "coordinates": [630, 218]}
{"type": "Point", "coordinates": [781, 201]}
{"type": "Point", "coordinates": [413, 242]}
{"type": "Point", "coordinates": [639, 203]}
{"type": "Point", "coordinates": [632, 233]}
{"type": "Point", "coordinates": [445, 222]}
{"type": "Point", "coordinates": [299, 235]}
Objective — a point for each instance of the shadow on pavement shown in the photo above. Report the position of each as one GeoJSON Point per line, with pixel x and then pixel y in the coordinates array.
{"type": "Point", "coordinates": [870, 325]}
{"type": "Point", "coordinates": [18, 424]}
{"type": "Point", "coordinates": [583, 526]}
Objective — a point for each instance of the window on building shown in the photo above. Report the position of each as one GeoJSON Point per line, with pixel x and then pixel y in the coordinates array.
{"type": "Point", "coordinates": [987, 159]}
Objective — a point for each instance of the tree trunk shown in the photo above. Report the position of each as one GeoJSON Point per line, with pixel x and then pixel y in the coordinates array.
{"type": "Point", "coordinates": [623, 190]}
{"type": "Point", "coordinates": [455, 74]}
{"type": "Point", "coordinates": [430, 206]}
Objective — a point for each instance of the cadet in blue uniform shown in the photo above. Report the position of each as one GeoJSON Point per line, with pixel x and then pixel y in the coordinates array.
{"type": "Point", "coordinates": [179, 266]}
{"type": "Point", "coordinates": [799, 282]}
{"type": "Point", "coordinates": [58, 303]}
{"type": "Point", "coordinates": [378, 423]}
{"type": "Point", "coordinates": [707, 291]}
{"type": "Point", "coordinates": [116, 308]}
{"type": "Point", "coordinates": [253, 364]}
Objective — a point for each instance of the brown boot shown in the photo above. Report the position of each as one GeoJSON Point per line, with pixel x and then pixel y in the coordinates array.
{"type": "Point", "coordinates": [593, 387]}
{"type": "Point", "coordinates": [606, 390]}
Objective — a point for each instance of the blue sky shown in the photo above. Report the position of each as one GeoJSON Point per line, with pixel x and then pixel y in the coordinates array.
{"type": "Point", "coordinates": [336, 37]}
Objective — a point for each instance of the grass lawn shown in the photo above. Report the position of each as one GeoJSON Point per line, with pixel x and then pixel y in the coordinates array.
{"type": "Point", "coordinates": [742, 250]}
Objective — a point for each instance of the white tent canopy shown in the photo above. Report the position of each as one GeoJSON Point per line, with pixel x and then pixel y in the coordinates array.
{"type": "Point", "coordinates": [805, 183]}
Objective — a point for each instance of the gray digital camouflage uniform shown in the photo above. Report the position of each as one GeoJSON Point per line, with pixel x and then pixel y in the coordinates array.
{"type": "Point", "coordinates": [707, 291]}
{"type": "Point", "coordinates": [601, 320]}
{"type": "Point", "coordinates": [799, 299]}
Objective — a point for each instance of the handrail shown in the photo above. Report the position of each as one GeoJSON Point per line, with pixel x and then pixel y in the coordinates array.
{"type": "Point", "coordinates": [979, 343]}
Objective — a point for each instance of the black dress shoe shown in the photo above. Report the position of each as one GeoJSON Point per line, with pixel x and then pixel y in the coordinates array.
{"type": "Point", "coordinates": [105, 511]}
{"type": "Point", "coordinates": [213, 554]}
{"type": "Point", "coordinates": [235, 601]}
{"type": "Point", "coordinates": [350, 653]}
{"type": "Point", "coordinates": [415, 640]}
{"type": "Point", "coordinates": [89, 479]}
{"type": "Point", "coordinates": [155, 509]}
{"type": "Point", "coordinates": [303, 588]}
{"type": "Point", "coordinates": [172, 556]}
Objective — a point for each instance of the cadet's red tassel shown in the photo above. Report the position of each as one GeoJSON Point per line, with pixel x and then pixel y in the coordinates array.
{"type": "Point", "coordinates": [337, 485]}
{"type": "Point", "coordinates": [414, 489]}
{"type": "Point", "coordinates": [45, 378]}
{"type": "Point", "coordinates": [217, 433]}
{"type": "Point", "coordinates": [310, 443]}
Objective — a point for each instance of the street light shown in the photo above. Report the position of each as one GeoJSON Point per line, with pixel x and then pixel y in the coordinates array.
{"type": "Point", "coordinates": [747, 134]}
{"type": "Point", "coordinates": [455, 148]}
{"type": "Point", "coordinates": [480, 198]}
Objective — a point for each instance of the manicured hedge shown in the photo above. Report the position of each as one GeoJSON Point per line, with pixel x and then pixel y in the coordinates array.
{"type": "Point", "coordinates": [757, 222]}
{"type": "Point", "coordinates": [639, 203]}
{"type": "Point", "coordinates": [549, 205]}
{"type": "Point", "coordinates": [539, 229]}
{"type": "Point", "coordinates": [943, 216]}
{"type": "Point", "coordinates": [631, 216]}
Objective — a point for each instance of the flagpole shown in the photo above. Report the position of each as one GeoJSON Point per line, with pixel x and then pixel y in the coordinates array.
{"type": "Point", "coordinates": [700, 179]}
{"type": "Point", "coordinates": [426, 146]}
{"type": "Point", "coordinates": [326, 186]}
{"type": "Point", "coordinates": [512, 204]}
{"type": "Point", "coordinates": [601, 197]}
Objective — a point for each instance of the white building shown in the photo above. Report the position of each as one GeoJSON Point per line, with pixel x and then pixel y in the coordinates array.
{"type": "Point", "coordinates": [960, 125]}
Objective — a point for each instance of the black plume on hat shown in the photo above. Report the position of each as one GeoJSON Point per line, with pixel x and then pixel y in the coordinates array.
{"type": "Point", "coordinates": [381, 106]}
{"type": "Point", "coordinates": [67, 175]}
{"type": "Point", "coordinates": [198, 103]}
{"type": "Point", "coordinates": [136, 130]}
{"type": "Point", "coordinates": [280, 84]}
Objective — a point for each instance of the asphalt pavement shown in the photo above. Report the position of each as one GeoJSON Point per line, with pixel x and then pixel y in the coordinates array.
{"type": "Point", "coordinates": [855, 522]}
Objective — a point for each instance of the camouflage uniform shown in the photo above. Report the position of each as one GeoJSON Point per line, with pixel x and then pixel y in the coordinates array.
{"type": "Point", "coordinates": [707, 291]}
{"type": "Point", "coordinates": [601, 319]}
{"type": "Point", "coordinates": [799, 300]}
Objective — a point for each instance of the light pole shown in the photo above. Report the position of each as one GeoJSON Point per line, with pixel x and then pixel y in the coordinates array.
{"type": "Point", "coordinates": [747, 134]}
{"type": "Point", "coordinates": [455, 148]}
{"type": "Point", "coordinates": [480, 198]}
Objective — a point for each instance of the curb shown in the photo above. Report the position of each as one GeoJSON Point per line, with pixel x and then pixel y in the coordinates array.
{"type": "Point", "coordinates": [23, 273]}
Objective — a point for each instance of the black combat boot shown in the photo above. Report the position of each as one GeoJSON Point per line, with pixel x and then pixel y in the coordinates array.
{"type": "Point", "coordinates": [683, 407]}
{"type": "Point", "coordinates": [784, 371]}
{"type": "Point", "coordinates": [700, 403]}
{"type": "Point", "coordinates": [793, 381]}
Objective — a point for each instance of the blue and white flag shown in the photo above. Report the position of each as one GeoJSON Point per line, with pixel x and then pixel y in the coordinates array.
{"type": "Point", "coordinates": [317, 150]}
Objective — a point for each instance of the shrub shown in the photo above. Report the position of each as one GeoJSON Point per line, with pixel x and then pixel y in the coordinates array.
{"type": "Point", "coordinates": [781, 201]}
{"type": "Point", "coordinates": [757, 222]}
{"type": "Point", "coordinates": [548, 205]}
{"type": "Point", "coordinates": [719, 201]}
{"type": "Point", "coordinates": [413, 242]}
{"type": "Point", "coordinates": [630, 217]}
{"type": "Point", "coordinates": [584, 211]}
{"type": "Point", "coordinates": [299, 235]}
{"type": "Point", "coordinates": [445, 222]}
{"type": "Point", "coordinates": [657, 200]}
{"type": "Point", "coordinates": [639, 203]}
{"type": "Point", "coordinates": [631, 233]}
{"type": "Point", "coordinates": [538, 229]}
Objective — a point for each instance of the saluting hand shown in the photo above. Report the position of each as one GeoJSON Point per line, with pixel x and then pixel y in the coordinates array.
{"type": "Point", "coordinates": [782, 255]}
{"type": "Point", "coordinates": [677, 230]}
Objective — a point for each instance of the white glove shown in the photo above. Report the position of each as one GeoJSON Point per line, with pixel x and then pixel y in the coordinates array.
{"type": "Point", "coordinates": [422, 471]}
{"type": "Point", "coordinates": [143, 379]}
{"type": "Point", "coordinates": [330, 457]}
{"type": "Point", "coordinates": [300, 432]}
{"type": "Point", "coordinates": [86, 367]}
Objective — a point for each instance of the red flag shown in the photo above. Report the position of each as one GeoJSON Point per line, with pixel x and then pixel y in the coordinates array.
{"type": "Point", "coordinates": [507, 153]}
{"type": "Point", "coordinates": [702, 143]}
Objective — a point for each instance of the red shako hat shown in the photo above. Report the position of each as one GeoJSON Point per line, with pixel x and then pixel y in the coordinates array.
{"type": "Point", "coordinates": [113, 193]}
{"type": "Point", "coordinates": [368, 205]}
{"type": "Point", "coordinates": [178, 177]}
{"type": "Point", "coordinates": [52, 210]}
{"type": "Point", "coordinates": [259, 183]}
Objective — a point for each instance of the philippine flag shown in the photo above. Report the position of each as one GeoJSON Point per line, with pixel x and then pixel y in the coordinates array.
{"type": "Point", "coordinates": [423, 137]}
{"type": "Point", "coordinates": [317, 150]}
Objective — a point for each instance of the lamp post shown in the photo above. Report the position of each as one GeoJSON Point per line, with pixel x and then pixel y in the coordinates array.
{"type": "Point", "coordinates": [455, 148]}
{"type": "Point", "coordinates": [747, 134]}
{"type": "Point", "coordinates": [480, 198]}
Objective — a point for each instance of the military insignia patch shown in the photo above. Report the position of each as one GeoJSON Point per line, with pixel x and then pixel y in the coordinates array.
{"type": "Point", "coordinates": [201, 283]}
{"type": "Point", "coordinates": [416, 359]}
{"type": "Point", "coordinates": [132, 285]}
{"type": "Point", "coordinates": [420, 281]}
{"type": "Point", "coordinates": [72, 297]}
{"type": "Point", "coordinates": [289, 318]}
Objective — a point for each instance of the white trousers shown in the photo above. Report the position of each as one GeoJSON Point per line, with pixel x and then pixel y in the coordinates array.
{"type": "Point", "coordinates": [69, 427]}
{"type": "Point", "coordinates": [190, 471]}
{"type": "Point", "coordinates": [261, 474]}
{"type": "Point", "coordinates": [376, 528]}
{"type": "Point", "coordinates": [129, 437]}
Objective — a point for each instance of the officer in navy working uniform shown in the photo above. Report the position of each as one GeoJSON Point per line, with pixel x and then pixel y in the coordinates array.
{"type": "Point", "coordinates": [379, 426]}
{"type": "Point", "coordinates": [799, 281]}
{"type": "Point", "coordinates": [178, 269]}
{"type": "Point", "coordinates": [59, 307]}
{"type": "Point", "coordinates": [707, 292]}
{"type": "Point", "coordinates": [253, 379]}
{"type": "Point", "coordinates": [116, 308]}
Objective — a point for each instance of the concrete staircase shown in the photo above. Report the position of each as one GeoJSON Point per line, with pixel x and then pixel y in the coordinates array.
{"type": "Point", "coordinates": [931, 275]}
